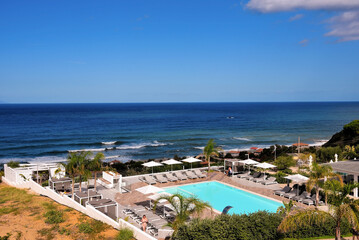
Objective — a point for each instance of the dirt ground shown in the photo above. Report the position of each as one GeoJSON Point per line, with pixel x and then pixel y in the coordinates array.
{"type": "Point", "coordinates": [22, 215]}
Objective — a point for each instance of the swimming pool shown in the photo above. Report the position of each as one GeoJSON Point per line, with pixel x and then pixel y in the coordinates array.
{"type": "Point", "coordinates": [220, 195]}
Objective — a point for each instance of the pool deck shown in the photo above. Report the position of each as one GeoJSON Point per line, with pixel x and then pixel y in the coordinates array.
{"type": "Point", "coordinates": [135, 197]}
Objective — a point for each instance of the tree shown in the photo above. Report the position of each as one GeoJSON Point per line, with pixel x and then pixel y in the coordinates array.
{"type": "Point", "coordinates": [284, 162]}
{"type": "Point", "coordinates": [95, 165]}
{"type": "Point", "coordinates": [184, 207]}
{"type": "Point", "coordinates": [210, 150]}
{"type": "Point", "coordinates": [341, 207]}
{"type": "Point", "coordinates": [76, 165]}
{"type": "Point", "coordinates": [316, 176]}
{"type": "Point", "coordinates": [286, 208]}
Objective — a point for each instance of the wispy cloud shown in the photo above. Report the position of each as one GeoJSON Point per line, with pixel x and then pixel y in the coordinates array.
{"type": "Point", "coordinates": [296, 17]}
{"type": "Point", "coordinates": [266, 6]}
{"type": "Point", "coordinates": [344, 26]}
{"type": "Point", "coordinates": [143, 17]}
{"type": "Point", "coordinates": [304, 42]}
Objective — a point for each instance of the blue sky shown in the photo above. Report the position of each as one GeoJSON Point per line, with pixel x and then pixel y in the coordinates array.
{"type": "Point", "coordinates": [179, 51]}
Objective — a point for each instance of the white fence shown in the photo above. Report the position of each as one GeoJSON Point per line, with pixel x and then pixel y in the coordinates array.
{"type": "Point", "coordinates": [88, 210]}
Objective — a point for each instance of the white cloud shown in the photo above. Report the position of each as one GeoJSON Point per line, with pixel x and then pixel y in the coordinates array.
{"type": "Point", "coordinates": [344, 26]}
{"type": "Point", "coordinates": [296, 17]}
{"type": "Point", "coordinates": [304, 42]}
{"type": "Point", "coordinates": [266, 6]}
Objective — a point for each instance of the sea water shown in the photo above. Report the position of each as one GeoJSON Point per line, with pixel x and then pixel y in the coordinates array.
{"type": "Point", "coordinates": [44, 132]}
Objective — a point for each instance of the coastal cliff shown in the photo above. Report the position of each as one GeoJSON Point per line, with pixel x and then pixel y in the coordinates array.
{"type": "Point", "coordinates": [348, 136]}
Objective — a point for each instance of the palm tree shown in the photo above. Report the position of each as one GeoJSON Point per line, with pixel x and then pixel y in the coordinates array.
{"type": "Point", "coordinates": [76, 165]}
{"type": "Point", "coordinates": [210, 150]}
{"type": "Point", "coordinates": [316, 176]}
{"type": "Point", "coordinates": [286, 208]}
{"type": "Point", "coordinates": [340, 207]}
{"type": "Point", "coordinates": [95, 165]}
{"type": "Point", "coordinates": [184, 207]}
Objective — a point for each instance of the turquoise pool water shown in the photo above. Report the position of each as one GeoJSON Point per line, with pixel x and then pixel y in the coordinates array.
{"type": "Point", "coordinates": [220, 195]}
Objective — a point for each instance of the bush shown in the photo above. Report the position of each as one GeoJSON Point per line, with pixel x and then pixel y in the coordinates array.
{"type": "Point", "coordinates": [352, 128]}
{"type": "Point", "coordinates": [327, 228]}
{"type": "Point", "coordinates": [13, 164]}
{"type": "Point", "coordinates": [280, 177]}
{"type": "Point", "coordinates": [1, 175]}
{"type": "Point", "coordinates": [6, 237]}
{"type": "Point", "coordinates": [125, 234]}
{"type": "Point", "coordinates": [327, 154]}
{"type": "Point", "coordinates": [259, 225]}
{"type": "Point", "coordinates": [284, 162]}
{"type": "Point", "coordinates": [54, 217]}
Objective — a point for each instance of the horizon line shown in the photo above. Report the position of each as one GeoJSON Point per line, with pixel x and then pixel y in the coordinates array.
{"type": "Point", "coordinates": [331, 101]}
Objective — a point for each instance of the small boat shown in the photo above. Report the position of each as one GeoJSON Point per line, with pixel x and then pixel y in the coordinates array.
{"type": "Point", "coordinates": [230, 117]}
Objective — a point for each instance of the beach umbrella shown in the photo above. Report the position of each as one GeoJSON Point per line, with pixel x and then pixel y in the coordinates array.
{"type": "Point", "coordinates": [149, 189]}
{"type": "Point", "coordinates": [248, 162]}
{"type": "Point", "coordinates": [265, 166]}
{"type": "Point", "coordinates": [152, 164]}
{"type": "Point", "coordinates": [171, 162]}
{"type": "Point", "coordinates": [297, 178]}
{"type": "Point", "coordinates": [191, 160]}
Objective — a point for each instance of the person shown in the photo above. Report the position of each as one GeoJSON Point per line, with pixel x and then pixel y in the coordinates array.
{"type": "Point", "coordinates": [144, 222]}
{"type": "Point", "coordinates": [229, 171]}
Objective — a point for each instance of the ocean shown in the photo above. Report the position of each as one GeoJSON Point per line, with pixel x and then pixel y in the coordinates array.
{"type": "Point", "coordinates": [139, 131]}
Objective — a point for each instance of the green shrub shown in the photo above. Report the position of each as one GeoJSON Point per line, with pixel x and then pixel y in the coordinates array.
{"type": "Point", "coordinates": [280, 177]}
{"type": "Point", "coordinates": [327, 228]}
{"type": "Point", "coordinates": [85, 227]}
{"type": "Point", "coordinates": [259, 225]}
{"type": "Point", "coordinates": [1, 175]}
{"type": "Point", "coordinates": [45, 184]}
{"type": "Point", "coordinates": [284, 162]}
{"type": "Point", "coordinates": [352, 128]}
{"type": "Point", "coordinates": [125, 234]}
{"type": "Point", "coordinates": [64, 231]}
{"type": "Point", "coordinates": [13, 164]}
{"type": "Point", "coordinates": [54, 217]}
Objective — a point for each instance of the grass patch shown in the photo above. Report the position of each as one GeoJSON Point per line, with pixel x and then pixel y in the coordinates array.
{"type": "Point", "coordinates": [5, 237]}
{"type": "Point", "coordinates": [11, 194]}
{"type": "Point", "coordinates": [125, 234]}
{"type": "Point", "coordinates": [92, 227]}
{"type": "Point", "coordinates": [8, 210]}
{"type": "Point", "coordinates": [64, 231]}
{"type": "Point", "coordinates": [54, 217]}
{"type": "Point", "coordinates": [47, 233]}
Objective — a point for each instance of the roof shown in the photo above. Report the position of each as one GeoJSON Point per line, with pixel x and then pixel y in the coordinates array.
{"type": "Point", "coordinates": [350, 166]}
{"type": "Point", "coordinates": [300, 144]}
{"type": "Point", "coordinates": [254, 148]}
{"type": "Point", "coordinates": [87, 194]}
{"type": "Point", "coordinates": [259, 150]}
{"type": "Point", "coordinates": [233, 151]}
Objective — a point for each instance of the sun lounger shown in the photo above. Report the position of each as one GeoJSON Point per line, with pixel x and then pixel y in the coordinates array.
{"type": "Point", "coordinates": [180, 176]}
{"type": "Point", "coordinates": [244, 175]}
{"type": "Point", "coordinates": [191, 175]}
{"type": "Point", "coordinates": [159, 178]}
{"type": "Point", "coordinates": [286, 189]}
{"type": "Point", "coordinates": [149, 180]}
{"type": "Point", "coordinates": [255, 175]}
{"type": "Point", "coordinates": [199, 173]}
{"type": "Point", "coordinates": [311, 201]}
{"type": "Point", "coordinates": [170, 177]}
{"type": "Point", "coordinates": [291, 194]}
{"type": "Point", "coordinates": [304, 195]}
{"type": "Point", "coordinates": [260, 179]}
{"type": "Point", "coordinates": [269, 181]}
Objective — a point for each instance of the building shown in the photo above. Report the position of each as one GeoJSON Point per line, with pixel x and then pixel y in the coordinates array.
{"type": "Point", "coordinates": [349, 170]}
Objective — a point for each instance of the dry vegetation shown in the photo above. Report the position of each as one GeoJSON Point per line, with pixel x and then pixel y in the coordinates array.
{"type": "Point", "coordinates": [27, 216]}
